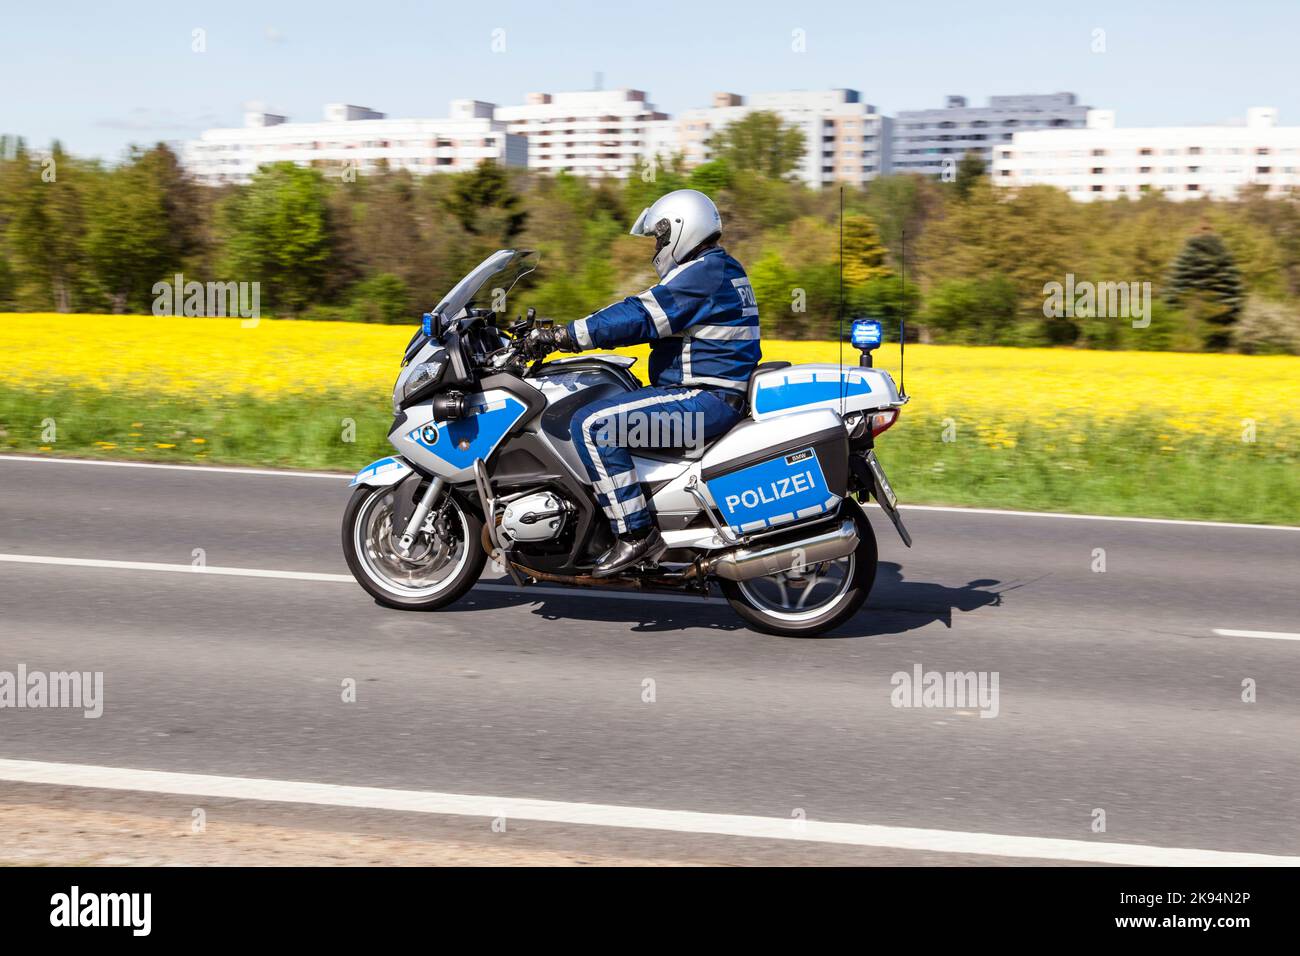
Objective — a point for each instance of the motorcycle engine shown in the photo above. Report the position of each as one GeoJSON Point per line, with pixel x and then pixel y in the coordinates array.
{"type": "Point", "coordinates": [536, 517]}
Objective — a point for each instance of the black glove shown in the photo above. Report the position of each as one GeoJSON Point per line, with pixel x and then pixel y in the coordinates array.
{"type": "Point", "coordinates": [552, 338]}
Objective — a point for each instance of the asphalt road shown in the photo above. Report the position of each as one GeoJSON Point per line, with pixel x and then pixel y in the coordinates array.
{"type": "Point", "coordinates": [1115, 692]}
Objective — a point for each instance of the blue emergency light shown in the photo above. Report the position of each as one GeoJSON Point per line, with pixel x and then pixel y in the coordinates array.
{"type": "Point", "coordinates": [866, 335]}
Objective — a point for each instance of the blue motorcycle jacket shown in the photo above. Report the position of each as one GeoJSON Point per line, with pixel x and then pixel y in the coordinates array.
{"type": "Point", "coordinates": [701, 322]}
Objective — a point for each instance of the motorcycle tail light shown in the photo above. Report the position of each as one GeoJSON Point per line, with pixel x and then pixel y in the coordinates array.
{"type": "Point", "coordinates": [882, 421]}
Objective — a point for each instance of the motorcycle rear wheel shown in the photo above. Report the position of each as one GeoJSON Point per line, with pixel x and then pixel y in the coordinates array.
{"type": "Point", "coordinates": [812, 600]}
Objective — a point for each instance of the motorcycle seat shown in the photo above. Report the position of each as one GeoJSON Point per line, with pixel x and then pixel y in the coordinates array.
{"type": "Point", "coordinates": [767, 367]}
{"type": "Point", "coordinates": [678, 452]}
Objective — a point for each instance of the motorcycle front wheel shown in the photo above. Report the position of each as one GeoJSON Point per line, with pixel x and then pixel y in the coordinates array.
{"type": "Point", "coordinates": [444, 562]}
{"type": "Point", "coordinates": [811, 600]}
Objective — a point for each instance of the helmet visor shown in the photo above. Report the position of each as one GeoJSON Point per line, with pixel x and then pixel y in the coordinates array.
{"type": "Point", "coordinates": [638, 228]}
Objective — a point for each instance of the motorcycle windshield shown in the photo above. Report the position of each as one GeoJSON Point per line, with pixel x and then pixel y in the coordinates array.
{"type": "Point", "coordinates": [516, 262]}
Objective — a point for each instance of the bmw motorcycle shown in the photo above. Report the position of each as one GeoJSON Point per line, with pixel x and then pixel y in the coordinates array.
{"type": "Point", "coordinates": [486, 467]}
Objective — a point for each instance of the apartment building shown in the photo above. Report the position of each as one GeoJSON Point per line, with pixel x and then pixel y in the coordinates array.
{"type": "Point", "coordinates": [356, 139]}
{"type": "Point", "coordinates": [845, 140]}
{"type": "Point", "coordinates": [932, 142]}
{"type": "Point", "coordinates": [1103, 161]}
{"type": "Point", "coordinates": [596, 133]}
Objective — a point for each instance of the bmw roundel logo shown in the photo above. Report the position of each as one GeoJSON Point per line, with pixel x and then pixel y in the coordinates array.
{"type": "Point", "coordinates": [429, 434]}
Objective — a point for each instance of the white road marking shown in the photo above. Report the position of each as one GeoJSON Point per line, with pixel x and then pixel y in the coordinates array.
{"type": "Point", "coordinates": [286, 473]}
{"type": "Point", "coordinates": [1267, 635]}
{"type": "Point", "coordinates": [202, 469]}
{"type": "Point", "coordinates": [1062, 514]}
{"type": "Point", "coordinates": [179, 568]}
{"type": "Point", "coordinates": [536, 591]}
{"type": "Point", "coordinates": [636, 818]}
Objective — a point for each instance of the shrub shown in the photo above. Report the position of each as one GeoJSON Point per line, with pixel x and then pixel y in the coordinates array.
{"type": "Point", "coordinates": [1268, 328]}
{"type": "Point", "coordinates": [383, 298]}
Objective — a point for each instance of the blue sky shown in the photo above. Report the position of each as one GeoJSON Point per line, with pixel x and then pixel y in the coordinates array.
{"type": "Point", "coordinates": [101, 75]}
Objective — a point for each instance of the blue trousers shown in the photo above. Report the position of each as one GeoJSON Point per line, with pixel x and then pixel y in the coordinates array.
{"type": "Point", "coordinates": [607, 432]}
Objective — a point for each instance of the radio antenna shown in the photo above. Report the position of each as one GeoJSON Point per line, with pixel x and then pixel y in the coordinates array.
{"type": "Point", "coordinates": [841, 332]}
{"type": "Point", "coordinates": [902, 319]}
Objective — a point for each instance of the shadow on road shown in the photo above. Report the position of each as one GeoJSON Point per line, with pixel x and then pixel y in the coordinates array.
{"type": "Point", "coordinates": [895, 606]}
{"type": "Point", "coordinates": [645, 615]}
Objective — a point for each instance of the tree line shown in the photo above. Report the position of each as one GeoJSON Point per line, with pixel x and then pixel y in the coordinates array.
{"type": "Point", "coordinates": [79, 235]}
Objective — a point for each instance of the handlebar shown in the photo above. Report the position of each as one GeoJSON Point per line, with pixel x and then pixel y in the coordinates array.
{"type": "Point", "coordinates": [524, 346]}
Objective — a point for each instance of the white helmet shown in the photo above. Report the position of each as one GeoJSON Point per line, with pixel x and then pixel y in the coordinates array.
{"type": "Point", "coordinates": [681, 221]}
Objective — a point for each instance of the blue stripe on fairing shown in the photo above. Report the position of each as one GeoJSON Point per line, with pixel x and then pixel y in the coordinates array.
{"type": "Point", "coordinates": [482, 429]}
{"type": "Point", "coordinates": [372, 468]}
{"type": "Point", "coordinates": [774, 398]}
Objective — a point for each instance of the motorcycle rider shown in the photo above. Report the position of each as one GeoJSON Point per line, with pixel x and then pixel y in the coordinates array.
{"type": "Point", "coordinates": [701, 321]}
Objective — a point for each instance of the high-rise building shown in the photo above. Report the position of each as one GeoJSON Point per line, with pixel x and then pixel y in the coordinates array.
{"type": "Point", "coordinates": [845, 140]}
{"type": "Point", "coordinates": [1103, 161]}
{"type": "Point", "coordinates": [932, 142]}
{"type": "Point", "coordinates": [598, 133]}
{"type": "Point", "coordinates": [358, 139]}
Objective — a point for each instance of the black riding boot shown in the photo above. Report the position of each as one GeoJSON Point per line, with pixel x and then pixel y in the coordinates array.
{"type": "Point", "coordinates": [629, 549]}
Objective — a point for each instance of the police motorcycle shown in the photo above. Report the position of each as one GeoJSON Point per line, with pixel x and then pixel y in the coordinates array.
{"type": "Point", "coordinates": [485, 467]}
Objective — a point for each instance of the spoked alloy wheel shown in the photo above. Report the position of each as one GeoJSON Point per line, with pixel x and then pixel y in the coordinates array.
{"type": "Point", "coordinates": [445, 560]}
{"type": "Point", "coordinates": [813, 599]}
{"type": "Point", "coordinates": [801, 594]}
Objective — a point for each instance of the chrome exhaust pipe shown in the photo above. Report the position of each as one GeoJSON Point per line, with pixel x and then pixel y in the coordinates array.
{"type": "Point", "coordinates": [745, 563]}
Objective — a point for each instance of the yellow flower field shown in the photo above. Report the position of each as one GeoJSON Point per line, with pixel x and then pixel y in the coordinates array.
{"type": "Point", "coordinates": [993, 388]}
{"type": "Point", "coordinates": [198, 357]}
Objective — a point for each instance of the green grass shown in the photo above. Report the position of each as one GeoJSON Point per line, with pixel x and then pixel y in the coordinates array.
{"type": "Point", "coordinates": [303, 433]}
{"type": "Point", "coordinates": [1119, 470]}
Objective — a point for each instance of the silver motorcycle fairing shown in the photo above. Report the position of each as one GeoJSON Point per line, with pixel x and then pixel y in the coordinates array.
{"type": "Point", "coordinates": [448, 449]}
{"type": "Point", "coordinates": [567, 385]}
{"type": "Point", "coordinates": [434, 447]}
{"type": "Point", "coordinates": [775, 393]}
